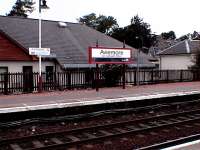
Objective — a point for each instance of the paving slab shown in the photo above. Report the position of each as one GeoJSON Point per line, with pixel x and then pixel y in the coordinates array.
{"type": "Point", "coordinates": [70, 98]}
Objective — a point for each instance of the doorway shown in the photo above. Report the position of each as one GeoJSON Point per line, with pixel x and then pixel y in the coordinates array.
{"type": "Point", "coordinates": [27, 78]}
{"type": "Point", "coordinates": [49, 73]}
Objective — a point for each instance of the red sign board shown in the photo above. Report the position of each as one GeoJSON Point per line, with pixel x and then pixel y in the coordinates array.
{"type": "Point", "coordinates": [102, 55]}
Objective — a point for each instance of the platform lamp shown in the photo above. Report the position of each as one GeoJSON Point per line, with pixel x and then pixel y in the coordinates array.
{"type": "Point", "coordinates": [42, 5]}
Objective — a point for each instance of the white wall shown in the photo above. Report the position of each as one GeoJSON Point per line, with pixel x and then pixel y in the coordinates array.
{"type": "Point", "coordinates": [17, 66]}
{"type": "Point", "coordinates": [175, 62]}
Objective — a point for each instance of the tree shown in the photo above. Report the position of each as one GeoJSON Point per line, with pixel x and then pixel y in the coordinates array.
{"type": "Point", "coordinates": [104, 24]}
{"type": "Point", "coordinates": [21, 8]}
{"type": "Point", "coordinates": [89, 20]}
{"type": "Point", "coordinates": [195, 35]}
{"type": "Point", "coordinates": [168, 35]}
{"type": "Point", "coordinates": [137, 34]}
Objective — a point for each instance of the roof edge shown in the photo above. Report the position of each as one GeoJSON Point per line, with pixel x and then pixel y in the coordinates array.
{"type": "Point", "coordinates": [17, 17]}
{"type": "Point", "coordinates": [160, 53]}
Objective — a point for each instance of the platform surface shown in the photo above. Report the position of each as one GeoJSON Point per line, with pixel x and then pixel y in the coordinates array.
{"type": "Point", "coordinates": [70, 98]}
{"type": "Point", "coordinates": [195, 145]}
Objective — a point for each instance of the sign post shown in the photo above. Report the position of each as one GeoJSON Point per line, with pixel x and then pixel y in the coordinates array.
{"type": "Point", "coordinates": [124, 71]}
{"type": "Point", "coordinates": [97, 72]}
{"type": "Point", "coordinates": [103, 55]}
{"type": "Point", "coordinates": [39, 52]}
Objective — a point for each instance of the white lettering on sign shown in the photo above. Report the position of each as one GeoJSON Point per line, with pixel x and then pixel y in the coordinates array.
{"type": "Point", "coordinates": [110, 53]}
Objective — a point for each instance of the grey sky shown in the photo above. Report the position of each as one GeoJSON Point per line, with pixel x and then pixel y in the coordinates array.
{"type": "Point", "coordinates": [182, 16]}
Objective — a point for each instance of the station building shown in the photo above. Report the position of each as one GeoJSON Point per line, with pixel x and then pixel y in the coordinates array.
{"type": "Point", "coordinates": [68, 42]}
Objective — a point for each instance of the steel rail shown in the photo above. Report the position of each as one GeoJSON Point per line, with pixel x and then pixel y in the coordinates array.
{"type": "Point", "coordinates": [93, 114]}
{"type": "Point", "coordinates": [171, 143]}
{"type": "Point", "coordinates": [191, 117]}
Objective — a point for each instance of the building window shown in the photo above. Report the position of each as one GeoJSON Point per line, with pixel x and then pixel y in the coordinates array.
{"type": "Point", "coordinates": [2, 71]}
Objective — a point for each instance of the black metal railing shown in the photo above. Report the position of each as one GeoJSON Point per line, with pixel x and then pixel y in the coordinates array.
{"type": "Point", "coordinates": [28, 82]}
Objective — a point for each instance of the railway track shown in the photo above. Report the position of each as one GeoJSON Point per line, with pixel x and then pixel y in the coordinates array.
{"type": "Point", "coordinates": [171, 143]}
{"type": "Point", "coordinates": [157, 107]}
{"type": "Point", "coordinates": [81, 136]}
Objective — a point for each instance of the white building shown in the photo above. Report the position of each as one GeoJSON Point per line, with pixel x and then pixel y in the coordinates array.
{"type": "Point", "coordinates": [180, 56]}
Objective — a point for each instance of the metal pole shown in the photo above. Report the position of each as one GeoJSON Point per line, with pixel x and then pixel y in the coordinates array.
{"type": "Point", "coordinates": [138, 59]}
{"type": "Point", "coordinates": [138, 67]}
{"type": "Point", "coordinates": [40, 45]}
{"type": "Point", "coordinates": [124, 71]}
{"type": "Point", "coordinates": [124, 76]}
{"type": "Point", "coordinates": [97, 77]}
{"type": "Point", "coordinates": [97, 71]}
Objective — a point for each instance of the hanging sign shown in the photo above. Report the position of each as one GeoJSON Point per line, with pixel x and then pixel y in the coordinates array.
{"type": "Point", "coordinates": [99, 55]}
{"type": "Point", "coordinates": [39, 51]}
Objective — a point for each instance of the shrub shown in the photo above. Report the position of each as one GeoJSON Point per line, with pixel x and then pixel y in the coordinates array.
{"type": "Point", "coordinates": [111, 74]}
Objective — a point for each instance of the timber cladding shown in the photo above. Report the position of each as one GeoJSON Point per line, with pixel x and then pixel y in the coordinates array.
{"type": "Point", "coordinates": [11, 52]}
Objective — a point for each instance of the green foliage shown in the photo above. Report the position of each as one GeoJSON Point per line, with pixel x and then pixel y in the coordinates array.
{"type": "Point", "coordinates": [168, 35]}
{"type": "Point", "coordinates": [21, 8]}
{"type": "Point", "coordinates": [89, 20]}
{"type": "Point", "coordinates": [137, 34]}
{"type": "Point", "coordinates": [112, 74]}
{"type": "Point", "coordinates": [101, 23]}
{"type": "Point", "coordinates": [195, 35]}
{"type": "Point", "coordinates": [106, 24]}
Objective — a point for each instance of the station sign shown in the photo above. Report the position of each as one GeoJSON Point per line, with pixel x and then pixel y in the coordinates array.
{"type": "Point", "coordinates": [39, 51]}
{"type": "Point", "coordinates": [100, 55]}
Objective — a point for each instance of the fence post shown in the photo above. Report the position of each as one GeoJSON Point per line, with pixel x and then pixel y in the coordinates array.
{"type": "Point", "coordinates": [59, 79]}
{"type": "Point", "coordinates": [135, 77]}
{"type": "Point", "coordinates": [97, 77]}
{"type": "Point", "coordinates": [124, 76]}
{"type": "Point", "coordinates": [55, 80]}
{"type": "Point", "coordinates": [193, 75]}
{"type": "Point", "coordinates": [181, 75]}
{"type": "Point", "coordinates": [69, 80]}
{"type": "Point", "coordinates": [152, 76]}
{"type": "Point", "coordinates": [6, 83]}
{"type": "Point", "coordinates": [167, 80]}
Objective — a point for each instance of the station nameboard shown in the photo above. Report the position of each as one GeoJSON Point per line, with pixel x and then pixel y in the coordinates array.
{"type": "Point", "coordinates": [101, 55]}
{"type": "Point", "coordinates": [39, 51]}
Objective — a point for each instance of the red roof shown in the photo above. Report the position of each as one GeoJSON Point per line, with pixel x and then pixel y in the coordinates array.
{"type": "Point", "coordinates": [9, 51]}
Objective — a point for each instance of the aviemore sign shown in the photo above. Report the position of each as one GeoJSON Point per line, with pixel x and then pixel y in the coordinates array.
{"type": "Point", "coordinates": [110, 53]}
{"type": "Point", "coordinates": [101, 55]}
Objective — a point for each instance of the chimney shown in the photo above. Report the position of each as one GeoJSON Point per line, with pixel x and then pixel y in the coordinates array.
{"type": "Point", "coordinates": [189, 37]}
{"type": "Point", "coordinates": [187, 46]}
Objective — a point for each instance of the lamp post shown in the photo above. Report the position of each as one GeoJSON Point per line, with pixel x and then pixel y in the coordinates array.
{"type": "Point", "coordinates": [42, 5]}
{"type": "Point", "coordinates": [138, 56]}
{"type": "Point", "coordinates": [138, 67]}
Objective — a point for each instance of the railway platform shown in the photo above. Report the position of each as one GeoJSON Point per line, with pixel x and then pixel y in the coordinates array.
{"type": "Point", "coordinates": [194, 145]}
{"type": "Point", "coordinates": [71, 98]}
